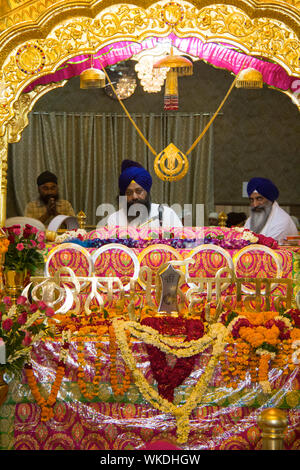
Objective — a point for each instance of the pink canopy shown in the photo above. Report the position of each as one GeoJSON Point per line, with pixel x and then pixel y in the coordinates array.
{"type": "Point", "coordinates": [218, 55]}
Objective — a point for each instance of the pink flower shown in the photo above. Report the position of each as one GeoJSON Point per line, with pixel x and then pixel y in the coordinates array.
{"type": "Point", "coordinates": [41, 237]}
{"type": "Point", "coordinates": [49, 312]}
{"type": "Point", "coordinates": [41, 305]}
{"type": "Point", "coordinates": [33, 243]}
{"type": "Point", "coordinates": [6, 300]}
{"type": "Point", "coordinates": [27, 339]}
{"type": "Point", "coordinates": [26, 232]}
{"type": "Point", "coordinates": [34, 230]}
{"type": "Point", "coordinates": [22, 318]}
{"type": "Point", "coordinates": [41, 246]}
{"type": "Point", "coordinates": [21, 300]}
{"type": "Point", "coordinates": [7, 324]}
{"type": "Point", "coordinates": [33, 308]}
{"type": "Point", "coordinates": [17, 230]}
{"type": "Point", "coordinates": [20, 247]}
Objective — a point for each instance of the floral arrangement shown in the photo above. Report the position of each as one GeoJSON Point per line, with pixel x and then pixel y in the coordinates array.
{"type": "Point", "coordinates": [70, 235]}
{"type": "Point", "coordinates": [258, 340]}
{"type": "Point", "coordinates": [169, 377]}
{"type": "Point", "coordinates": [23, 250]}
{"type": "Point", "coordinates": [48, 403]}
{"type": "Point", "coordinates": [247, 237]}
{"type": "Point", "coordinates": [21, 325]}
{"type": "Point", "coordinates": [215, 337]}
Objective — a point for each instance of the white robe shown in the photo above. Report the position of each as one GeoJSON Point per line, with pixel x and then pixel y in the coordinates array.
{"type": "Point", "coordinates": [169, 218]}
{"type": "Point", "coordinates": [279, 224]}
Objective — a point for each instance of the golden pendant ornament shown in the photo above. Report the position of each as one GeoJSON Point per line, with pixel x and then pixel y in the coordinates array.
{"type": "Point", "coordinates": [171, 164]}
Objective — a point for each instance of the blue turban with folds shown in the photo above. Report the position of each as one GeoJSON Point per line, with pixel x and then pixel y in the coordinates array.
{"type": "Point", "coordinates": [131, 170]}
{"type": "Point", "coordinates": [264, 187]}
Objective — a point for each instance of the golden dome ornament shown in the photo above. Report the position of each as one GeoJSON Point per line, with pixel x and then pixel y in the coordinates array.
{"type": "Point", "coordinates": [249, 78]}
{"type": "Point", "coordinates": [92, 77]}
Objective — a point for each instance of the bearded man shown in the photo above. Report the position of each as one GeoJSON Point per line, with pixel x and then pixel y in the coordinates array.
{"type": "Point", "coordinates": [136, 208]}
{"type": "Point", "coordinates": [49, 204]}
{"type": "Point", "coordinates": [266, 216]}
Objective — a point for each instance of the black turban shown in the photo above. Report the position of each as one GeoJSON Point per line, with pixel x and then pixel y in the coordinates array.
{"type": "Point", "coordinates": [46, 177]}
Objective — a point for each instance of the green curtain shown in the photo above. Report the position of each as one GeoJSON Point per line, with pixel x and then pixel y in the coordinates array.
{"type": "Point", "coordinates": [85, 151]}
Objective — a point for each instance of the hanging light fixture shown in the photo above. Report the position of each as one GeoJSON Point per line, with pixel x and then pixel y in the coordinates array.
{"type": "Point", "coordinates": [249, 78]}
{"type": "Point", "coordinates": [178, 67]}
{"type": "Point", "coordinates": [92, 78]}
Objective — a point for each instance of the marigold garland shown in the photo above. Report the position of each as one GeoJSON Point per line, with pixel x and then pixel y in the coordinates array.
{"type": "Point", "coordinates": [113, 348]}
{"type": "Point", "coordinates": [268, 338]}
{"type": "Point", "coordinates": [89, 390]}
{"type": "Point", "coordinates": [46, 405]}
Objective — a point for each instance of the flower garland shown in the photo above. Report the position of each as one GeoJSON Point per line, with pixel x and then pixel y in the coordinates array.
{"type": "Point", "coordinates": [45, 404]}
{"type": "Point", "coordinates": [89, 391]}
{"type": "Point", "coordinates": [169, 377]}
{"type": "Point", "coordinates": [119, 390]}
{"type": "Point", "coordinates": [216, 336]}
{"type": "Point", "coordinates": [264, 338]}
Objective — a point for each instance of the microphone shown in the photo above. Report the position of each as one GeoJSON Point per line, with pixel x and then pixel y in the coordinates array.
{"type": "Point", "coordinates": [160, 214]}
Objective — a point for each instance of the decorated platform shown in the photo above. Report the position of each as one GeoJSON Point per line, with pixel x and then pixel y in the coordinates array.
{"type": "Point", "coordinates": [150, 340]}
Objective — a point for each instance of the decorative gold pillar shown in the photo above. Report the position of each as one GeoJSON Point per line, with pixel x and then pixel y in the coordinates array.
{"type": "Point", "coordinates": [222, 219]}
{"type": "Point", "coordinates": [273, 423]}
{"type": "Point", "coordinates": [81, 217]}
{"type": "Point", "coordinates": [3, 177]}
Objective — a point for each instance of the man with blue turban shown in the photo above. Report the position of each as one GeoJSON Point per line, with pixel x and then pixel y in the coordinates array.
{"type": "Point", "coordinates": [136, 208]}
{"type": "Point", "coordinates": [266, 216]}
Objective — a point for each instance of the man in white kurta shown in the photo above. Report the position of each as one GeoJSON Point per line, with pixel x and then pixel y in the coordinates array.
{"type": "Point", "coordinates": [136, 208]}
{"type": "Point", "coordinates": [267, 217]}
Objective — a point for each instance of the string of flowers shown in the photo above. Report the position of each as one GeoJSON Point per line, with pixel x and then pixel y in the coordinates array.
{"type": "Point", "coordinates": [216, 336]}
{"type": "Point", "coordinates": [119, 390]}
{"type": "Point", "coordinates": [265, 338]}
{"type": "Point", "coordinates": [90, 390]}
{"type": "Point", "coordinates": [48, 403]}
{"type": "Point", "coordinates": [45, 404]}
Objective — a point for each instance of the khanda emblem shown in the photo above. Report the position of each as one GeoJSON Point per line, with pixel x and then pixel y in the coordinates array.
{"type": "Point", "coordinates": [171, 164]}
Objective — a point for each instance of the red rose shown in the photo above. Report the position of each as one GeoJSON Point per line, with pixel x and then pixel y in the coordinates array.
{"type": "Point", "coordinates": [22, 318]}
{"type": "Point", "coordinates": [7, 324]}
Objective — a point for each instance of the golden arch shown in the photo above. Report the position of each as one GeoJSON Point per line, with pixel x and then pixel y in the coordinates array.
{"type": "Point", "coordinates": [35, 39]}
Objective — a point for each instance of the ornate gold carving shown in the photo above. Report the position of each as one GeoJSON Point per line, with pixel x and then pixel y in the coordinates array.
{"type": "Point", "coordinates": [30, 59]}
{"type": "Point", "coordinates": [23, 106]}
{"type": "Point", "coordinates": [261, 36]}
{"type": "Point", "coordinates": [172, 13]}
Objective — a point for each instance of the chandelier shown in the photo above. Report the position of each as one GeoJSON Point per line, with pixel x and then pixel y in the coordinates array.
{"type": "Point", "coordinates": [151, 79]}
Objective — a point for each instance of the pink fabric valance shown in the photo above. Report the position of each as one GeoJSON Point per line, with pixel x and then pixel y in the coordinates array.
{"type": "Point", "coordinates": [218, 55]}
